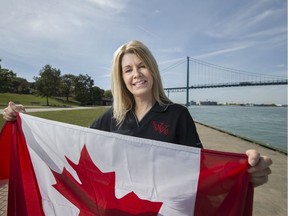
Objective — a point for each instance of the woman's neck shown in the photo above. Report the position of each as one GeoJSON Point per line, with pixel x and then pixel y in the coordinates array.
{"type": "Point", "coordinates": [142, 107]}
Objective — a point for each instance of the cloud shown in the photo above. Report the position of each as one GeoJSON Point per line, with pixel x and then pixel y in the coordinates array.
{"type": "Point", "coordinates": [220, 52]}
{"type": "Point", "coordinates": [175, 49]}
{"type": "Point", "coordinates": [245, 19]}
{"type": "Point", "coordinates": [114, 5]}
{"type": "Point", "coordinates": [280, 66]}
{"type": "Point", "coordinates": [266, 33]}
{"type": "Point", "coordinates": [150, 33]}
{"type": "Point", "coordinates": [171, 61]}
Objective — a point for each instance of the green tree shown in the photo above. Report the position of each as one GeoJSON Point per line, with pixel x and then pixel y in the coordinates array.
{"type": "Point", "coordinates": [97, 95]}
{"type": "Point", "coordinates": [48, 83]}
{"type": "Point", "coordinates": [6, 77]}
{"type": "Point", "coordinates": [20, 85]}
{"type": "Point", "coordinates": [67, 85]}
{"type": "Point", "coordinates": [108, 94]}
{"type": "Point", "coordinates": [84, 89]}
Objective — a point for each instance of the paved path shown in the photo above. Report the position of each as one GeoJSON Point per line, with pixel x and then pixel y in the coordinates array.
{"type": "Point", "coordinates": [47, 109]}
{"type": "Point", "coordinates": [3, 200]}
{"type": "Point", "coordinates": [269, 199]}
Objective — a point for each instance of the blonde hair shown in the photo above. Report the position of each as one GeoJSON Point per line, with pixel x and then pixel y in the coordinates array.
{"type": "Point", "coordinates": [123, 100]}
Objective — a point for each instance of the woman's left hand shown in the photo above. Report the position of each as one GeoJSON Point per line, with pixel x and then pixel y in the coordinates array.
{"type": "Point", "coordinates": [259, 169]}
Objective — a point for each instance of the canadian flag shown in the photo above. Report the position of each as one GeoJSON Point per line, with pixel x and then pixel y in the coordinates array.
{"type": "Point", "coordinates": [61, 169]}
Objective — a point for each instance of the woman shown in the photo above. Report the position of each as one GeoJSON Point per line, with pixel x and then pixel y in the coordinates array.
{"type": "Point", "coordinates": [141, 108]}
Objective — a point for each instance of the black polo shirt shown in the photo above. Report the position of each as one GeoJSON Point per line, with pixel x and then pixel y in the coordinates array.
{"type": "Point", "coordinates": [170, 123]}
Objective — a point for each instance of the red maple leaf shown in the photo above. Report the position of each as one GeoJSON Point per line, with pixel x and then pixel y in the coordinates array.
{"type": "Point", "coordinates": [96, 194]}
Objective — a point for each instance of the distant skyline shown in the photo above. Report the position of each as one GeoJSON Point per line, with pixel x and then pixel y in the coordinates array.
{"type": "Point", "coordinates": [81, 37]}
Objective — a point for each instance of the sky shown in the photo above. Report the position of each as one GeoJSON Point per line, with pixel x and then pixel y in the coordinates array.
{"type": "Point", "coordinates": [81, 36]}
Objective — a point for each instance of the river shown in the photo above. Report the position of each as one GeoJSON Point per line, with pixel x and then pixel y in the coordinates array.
{"type": "Point", "coordinates": [266, 125]}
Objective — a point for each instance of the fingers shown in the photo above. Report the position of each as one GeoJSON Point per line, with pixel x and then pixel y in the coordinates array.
{"type": "Point", "coordinates": [253, 157]}
{"type": "Point", "coordinates": [257, 181]}
{"type": "Point", "coordinates": [260, 167]}
{"type": "Point", "coordinates": [17, 107]}
{"type": "Point", "coordinates": [260, 178]}
{"type": "Point", "coordinates": [262, 173]}
{"type": "Point", "coordinates": [11, 103]}
{"type": "Point", "coordinates": [263, 163]}
{"type": "Point", "coordinates": [9, 113]}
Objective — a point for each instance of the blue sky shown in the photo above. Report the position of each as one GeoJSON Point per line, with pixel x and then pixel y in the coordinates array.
{"type": "Point", "coordinates": [80, 36]}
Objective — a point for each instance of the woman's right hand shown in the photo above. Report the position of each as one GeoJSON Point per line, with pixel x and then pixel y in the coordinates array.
{"type": "Point", "coordinates": [9, 113]}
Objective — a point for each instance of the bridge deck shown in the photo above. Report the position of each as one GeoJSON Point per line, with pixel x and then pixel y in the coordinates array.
{"type": "Point", "coordinates": [232, 84]}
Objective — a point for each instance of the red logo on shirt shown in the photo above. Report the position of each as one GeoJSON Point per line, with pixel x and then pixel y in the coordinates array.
{"type": "Point", "coordinates": [161, 127]}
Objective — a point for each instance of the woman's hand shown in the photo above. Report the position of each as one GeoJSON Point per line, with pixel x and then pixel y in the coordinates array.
{"type": "Point", "coordinates": [9, 113]}
{"type": "Point", "coordinates": [259, 169]}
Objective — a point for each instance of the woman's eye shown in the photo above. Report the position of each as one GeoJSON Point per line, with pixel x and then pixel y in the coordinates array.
{"type": "Point", "coordinates": [142, 66]}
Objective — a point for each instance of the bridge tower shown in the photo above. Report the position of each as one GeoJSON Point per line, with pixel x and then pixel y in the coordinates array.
{"type": "Point", "coordinates": [187, 86]}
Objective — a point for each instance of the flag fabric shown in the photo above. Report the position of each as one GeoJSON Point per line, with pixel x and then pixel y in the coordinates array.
{"type": "Point", "coordinates": [61, 169]}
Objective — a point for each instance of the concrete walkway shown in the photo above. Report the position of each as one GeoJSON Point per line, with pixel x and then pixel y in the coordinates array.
{"type": "Point", "coordinates": [47, 109]}
{"type": "Point", "coordinates": [269, 199]}
{"type": "Point", "coordinates": [3, 200]}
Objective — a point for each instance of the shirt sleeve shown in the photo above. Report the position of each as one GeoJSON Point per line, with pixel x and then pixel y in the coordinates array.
{"type": "Point", "coordinates": [186, 130]}
{"type": "Point", "coordinates": [103, 122]}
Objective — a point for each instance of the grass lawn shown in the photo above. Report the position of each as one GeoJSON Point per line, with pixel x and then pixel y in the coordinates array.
{"type": "Point", "coordinates": [78, 117]}
{"type": "Point", "coordinates": [30, 100]}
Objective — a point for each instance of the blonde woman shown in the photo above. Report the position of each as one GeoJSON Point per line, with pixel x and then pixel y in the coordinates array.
{"type": "Point", "coordinates": [140, 106]}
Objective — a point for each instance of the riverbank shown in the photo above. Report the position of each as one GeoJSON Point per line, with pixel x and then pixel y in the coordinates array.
{"type": "Point", "coordinates": [256, 142]}
{"type": "Point", "coordinates": [261, 125]}
{"type": "Point", "coordinates": [269, 199]}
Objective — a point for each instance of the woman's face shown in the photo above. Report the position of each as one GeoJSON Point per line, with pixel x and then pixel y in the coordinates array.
{"type": "Point", "coordinates": [136, 76]}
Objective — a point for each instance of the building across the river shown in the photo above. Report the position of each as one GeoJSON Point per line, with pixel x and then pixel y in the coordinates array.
{"type": "Point", "coordinates": [213, 103]}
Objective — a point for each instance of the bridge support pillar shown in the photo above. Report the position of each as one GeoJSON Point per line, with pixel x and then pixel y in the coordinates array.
{"type": "Point", "coordinates": [187, 86]}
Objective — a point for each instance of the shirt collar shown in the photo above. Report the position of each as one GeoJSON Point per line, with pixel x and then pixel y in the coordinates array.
{"type": "Point", "coordinates": [160, 108]}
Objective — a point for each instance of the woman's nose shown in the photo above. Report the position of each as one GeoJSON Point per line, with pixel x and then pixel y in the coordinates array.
{"type": "Point", "coordinates": [136, 73]}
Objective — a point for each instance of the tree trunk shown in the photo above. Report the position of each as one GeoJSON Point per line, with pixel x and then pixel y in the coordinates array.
{"type": "Point", "coordinates": [47, 102]}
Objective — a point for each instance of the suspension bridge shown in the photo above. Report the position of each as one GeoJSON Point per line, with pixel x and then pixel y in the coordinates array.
{"type": "Point", "coordinates": [202, 75]}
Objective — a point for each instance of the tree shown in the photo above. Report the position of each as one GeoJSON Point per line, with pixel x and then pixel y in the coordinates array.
{"type": "Point", "coordinates": [9, 82]}
{"type": "Point", "coordinates": [20, 85]}
{"type": "Point", "coordinates": [108, 94]}
{"type": "Point", "coordinates": [67, 85]}
{"type": "Point", "coordinates": [97, 94]}
{"type": "Point", "coordinates": [83, 89]}
{"type": "Point", "coordinates": [48, 84]}
{"type": "Point", "coordinates": [6, 77]}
